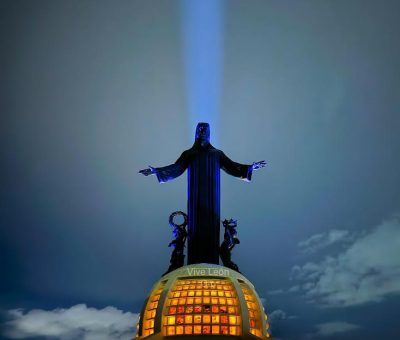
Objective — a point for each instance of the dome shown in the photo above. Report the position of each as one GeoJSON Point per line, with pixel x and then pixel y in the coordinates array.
{"type": "Point", "coordinates": [203, 300]}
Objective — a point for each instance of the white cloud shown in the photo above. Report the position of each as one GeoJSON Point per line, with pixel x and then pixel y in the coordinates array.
{"type": "Point", "coordinates": [334, 327]}
{"type": "Point", "coordinates": [294, 289]}
{"type": "Point", "coordinates": [276, 316]}
{"type": "Point", "coordinates": [324, 240]}
{"type": "Point", "coordinates": [366, 271]}
{"type": "Point", "coordinates": [77, 322]}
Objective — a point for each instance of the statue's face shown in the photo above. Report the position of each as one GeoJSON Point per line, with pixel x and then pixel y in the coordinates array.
{"type": "Point", "coordinates": [203, 132]}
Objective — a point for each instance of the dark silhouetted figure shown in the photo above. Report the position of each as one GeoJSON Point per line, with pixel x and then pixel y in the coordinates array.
{"type": "Point", "coordinates": [203, 162]}
{"type": "Point", "coordinates": [229, 242]}
{"type": "Point", "coordinates": [177, 256]}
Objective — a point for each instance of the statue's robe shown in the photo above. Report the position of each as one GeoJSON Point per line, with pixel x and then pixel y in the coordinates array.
{"type": "Point", "coordinates": [203, 164]}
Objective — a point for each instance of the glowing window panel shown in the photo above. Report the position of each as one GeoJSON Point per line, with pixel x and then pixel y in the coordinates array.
{"type": "Point", "coordinates": [179, 330]}
{"type": "Point", "coordinates": [188, 329]}
{"type": "Point", "coordinates": [171, 330]}
{"type": "Point", "coordinates": [197, 329]}
{"type": "Point", "coordinates": [151, 309]}
{"type": "Point", "coordinates": [215, 329]}
{"type": "Point", "coordinates": [233, 330]}
{"type": "Point", "coordinates": [256, 326]}
{"type": "Point", "coordinates": [205, 306]}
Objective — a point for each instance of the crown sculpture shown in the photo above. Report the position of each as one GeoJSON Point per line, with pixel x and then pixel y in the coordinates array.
{"type": "Point", "coordinates": [203, 299]}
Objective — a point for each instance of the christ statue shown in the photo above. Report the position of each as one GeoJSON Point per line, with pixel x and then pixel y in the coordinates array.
{"type": "Point", "coordinates": [203, 163]}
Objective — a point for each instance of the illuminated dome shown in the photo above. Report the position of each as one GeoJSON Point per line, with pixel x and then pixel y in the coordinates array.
{"type": "Point", "coordinates": [203, 300]}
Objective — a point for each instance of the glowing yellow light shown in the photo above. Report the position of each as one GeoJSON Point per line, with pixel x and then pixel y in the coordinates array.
{"type": "Point", "coordinates": [171, 320]}
{"type": "Point", "coordinates": [189, 310]}
{"type": "Point", "coordinates": [232, 319]}
{"type": "Point", "coordinates": [188, 329]}
{"type": "Point", "coordinates": [215, 319]}
{"type": "Point", "coordinates": [171, 330]}
{"type": "Point", "coordinates": [215, 329]}
{"type": "Point", "coordinates": [179, 330]}
{"type": "Point", "coordinates": [197, 318]}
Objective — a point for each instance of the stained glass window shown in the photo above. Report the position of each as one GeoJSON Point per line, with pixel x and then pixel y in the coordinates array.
{"type": "Point", "coordinates": [256, 327]}
{"type": "Point", "coordinates": [150, 311]}
{"type": "Point", "coordinates": [204, 306]}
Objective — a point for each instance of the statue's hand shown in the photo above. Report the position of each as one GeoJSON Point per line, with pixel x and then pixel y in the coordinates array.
{"type": "Point", "coordinates": [258, 165]}
{"type": "Point", "coordinates": [149, 171]}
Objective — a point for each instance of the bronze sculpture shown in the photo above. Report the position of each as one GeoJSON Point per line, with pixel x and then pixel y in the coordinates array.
{"type": "Point", "coordinates": [179, 231]}
{"type": "Point", "coordinates": [229, 242]}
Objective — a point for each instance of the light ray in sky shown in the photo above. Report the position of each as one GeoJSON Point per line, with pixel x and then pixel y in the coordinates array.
{"type": "Point", "coordinates": [202, 27]}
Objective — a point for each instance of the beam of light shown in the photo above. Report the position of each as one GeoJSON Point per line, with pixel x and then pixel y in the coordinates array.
{"type": "Point", "coordinates": [202, 27]}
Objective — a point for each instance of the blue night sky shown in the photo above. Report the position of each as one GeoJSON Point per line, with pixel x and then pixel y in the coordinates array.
{"type": "Point", "coordinates": [93, 91]}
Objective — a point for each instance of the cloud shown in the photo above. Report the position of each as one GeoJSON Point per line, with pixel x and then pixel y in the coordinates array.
{"type": "Point", "coordinates": [276, 316]}
{"type": "Point", "coordinates": [332, 328]}
{"type": "Point", "coordinates": [77, 322]}
{"type": "Point", "coordinates": [294, 289]}
{"type": "Point", "coordinates": [324, 240]}
{"type": "Point", "coordinates": [276, 292]}
{"type": "Point", "coordinates": [368, 270]}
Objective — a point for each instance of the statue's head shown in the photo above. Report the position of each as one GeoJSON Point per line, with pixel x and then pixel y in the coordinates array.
{"type": "Point", "coordinates": [203, 132]}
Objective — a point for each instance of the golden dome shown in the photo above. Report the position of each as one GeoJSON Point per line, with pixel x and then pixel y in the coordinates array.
{"type": "Point", "coordinates": [203, 300]}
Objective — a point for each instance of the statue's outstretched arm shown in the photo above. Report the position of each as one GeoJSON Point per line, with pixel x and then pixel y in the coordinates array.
{"type": "Point", "coordinates": [242, 171]}
{"type": "Point", "coordinates": [166, 173]}
{"type": "Point", "coordinates": [149, 171]}
{"type": "Point", "coordinates": [258, 165]}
